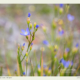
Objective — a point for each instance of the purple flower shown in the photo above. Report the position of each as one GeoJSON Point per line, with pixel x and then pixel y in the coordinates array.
{"type": "Point", "coordinates": [25, 33]}
{"type": "Point", "coordinates": [61, 5]}
{"type": "Point", "coordinates": [23, 73]}
{"type": "Point", "coordinates": [37, 26]}
{"type": "Point", "coordinates": [24, 44]}
{"type": "Point", "coordinates": [67, 49]}
{"type": "Point", "coordinates": [31, 44]}
{"type": "Point", "coordinates": [44, 66]}
{"type": "Point", "coordinates": [61, 32]}
{"type": "Point", "coordinates": [39, 66]}
{"type": "Point", "coordinates": [29, 14]}
{"type": "Point", "coordinates": [66, 63]}
{"type": "Point", "coordinates": [45, 42]}
{"type": "Point", "coordinates": [70, 17]}
{"type": "Point", "coordinates": [77, 45]}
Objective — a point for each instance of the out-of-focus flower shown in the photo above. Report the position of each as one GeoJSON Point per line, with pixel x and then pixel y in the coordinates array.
{"type": "Point", "coordinates": [70, 17]}
{"type": "Point", "coordinates": [60, 22]}
{"type": "Point", "coordinates": [37, 26]}
{"type": "Point", "coordinates": [23, 73]}
{"type": "Point", "coordinates": [67, 50]}
{"type": "Point", "coordinates": [24, 44]}
{"type": "Point", "coordinates": [61, 32]}
{"type": "Point", "coordinates": [46, 42]}
{"type": "Point", "coordinates": [39, 69]}
{"type": "Point", "coordinates": [61, 5]}
{"type": "Point", "coordinates": [65, 63]}
{"type": "Point", "coordinates": [25, 33]}
{"type": "Point", "coordinates": [34, 24]}
{"type": "Point", "coordinates": [31, 44]}
{"type": "Point", "coordinates": [29, 14]}
{"type": "Point", "coordinates": [28, 20]}
{"type": "Point", "coordinates": [77, 45]}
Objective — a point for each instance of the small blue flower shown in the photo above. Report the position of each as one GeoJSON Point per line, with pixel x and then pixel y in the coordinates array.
{"type": "Point", "coordinates": [37, 26]}
{"type": "Point", "coordinates": [44, 66]}
{"type": "Point", "coordinates": [66, 64]}
{"type": "Point", "coordinates": [67, 49]}
{"type": "Point", "coordinates": [29, 14]}
{"type": "Point", "coordinates": [24, 44]}
{"type": "Point", "coordinates": [23, 73]}
{"type": "Point", "coordinates": [25, 33]}
{"type": "Point", "coordinates": [70, 17]}
{"type": "Point", "coordinates": [49, 68]}
{"type": "Point", "coordinates": [77, 45]}
{"type": "Point", "coordinates": [61, 5]}
{"type": "Point", "coordinates": [39, 66]}
{"type": "Point", "coordinates": [45, 42]}
{"type": "Point", "coordinates": [61, 32]}
{"type": "Point", "coordinates": [31, 44]}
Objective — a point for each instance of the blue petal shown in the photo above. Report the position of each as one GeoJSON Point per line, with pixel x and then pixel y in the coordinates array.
{"type": "Point", "coordinates": [45, 42]}
{"type": "Point", "coordinates": [22, 30]}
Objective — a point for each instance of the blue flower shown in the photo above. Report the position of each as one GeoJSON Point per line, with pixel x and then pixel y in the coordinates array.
{"type": "Point", "coordinates": [67, 49]}
{"type": "Point", "coordinates": [61, 5]}
{"type": "Point", "coordinates": [45, 42]}
{"type": "Point", "coordinates": [61, 32]}
{"type": "Point", "coordinates": [24, 44]}
{"type": "Point", "coordinates": [25, 33]}
{"type": "Point", "coordinates": [37, 26]}
{"type": "Point", "coordinates": [70, 17]}
{"type": "Point", "coordinates": [23, 73]}
{"type": "Point", "coordinates": [31, 44]}
{"type": "Point", "coordinates": [77, 45]}
{"type": "Point", "coordinates": [39, 66]}
{"type": "Point", "coordinates": [29, 14]}
{"type": "Point", "coordinates": [65, 63]}
{"type": "Point", "coordinates": [49, 68]}
{"type": "Point", "coordinates": [44, 66]}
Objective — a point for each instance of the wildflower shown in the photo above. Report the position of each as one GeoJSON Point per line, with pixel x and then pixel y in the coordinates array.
{"type": "Point", "coordinates": [70, 17]}
{"type": "Point", "coordinates": [45, 42]}
{"type": "Point", "coordinates": [37, 26]}
{"type": "Point", "coordinates": [31, 44]}
{"type": "Point", "coordinates": [29, 14]}
{"type": "Point", "coordinates": [44, 75]}
{"type": "Point", "coordinates": [66, 63]}
{"type": "Point", "coordinates": [61, 32]}
{"type": "Point", "coordinates": [67, 50]}
{"type": "Point", "coordinates": [23, 73]}
{"type": "Point", "coordinates": [25, 33]}
{"type": "Point", "coordinates": [77, 45]}
{"type": "Point", "coordinates": [24, 44]}
{"type": "Point", "coordinates": [61, 5]}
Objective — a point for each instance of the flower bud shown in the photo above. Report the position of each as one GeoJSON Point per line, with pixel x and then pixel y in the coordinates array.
{"type": "Point", "coordinates": [28, 20]}
{"type": "Point", "coordinates": [34, 24]}
{"type": "Point", "coordinates": [61, 10]}
{"type": "Point", "coordinates": [26, 53]}
{"type": "Point", "coordinates": [30, 25]}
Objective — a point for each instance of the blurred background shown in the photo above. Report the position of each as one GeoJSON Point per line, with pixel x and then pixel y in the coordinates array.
{"type": "Point", "coordinates": [13, 18]}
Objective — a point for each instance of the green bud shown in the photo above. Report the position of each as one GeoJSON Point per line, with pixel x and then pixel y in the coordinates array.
{"type": "Point", "coordinates": [30, 25]}
{"type": "Point", "coordinates": [61, 10]}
